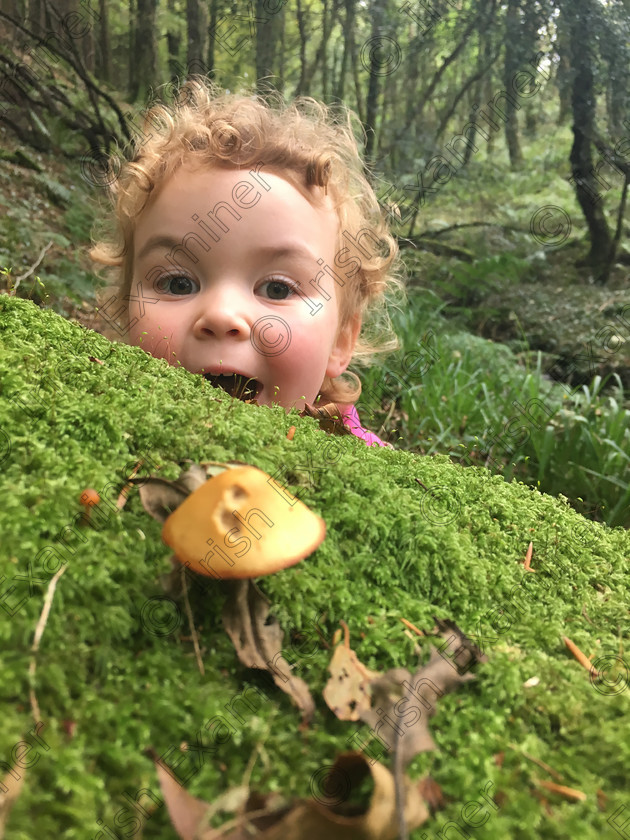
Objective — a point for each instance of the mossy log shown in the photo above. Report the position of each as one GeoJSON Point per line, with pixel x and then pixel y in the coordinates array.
{"type": "Point", "coordinates": [116, 671]}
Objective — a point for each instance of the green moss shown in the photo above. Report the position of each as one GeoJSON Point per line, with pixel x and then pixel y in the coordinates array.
{"type": "Point", "coordinates": [392, 550]}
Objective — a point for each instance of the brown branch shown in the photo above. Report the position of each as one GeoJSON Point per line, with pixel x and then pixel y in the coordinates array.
{"type": "Point", "coordinates": [440, 231]}
{"type": "Point", "coordinates": [39, 631]}
{"type": "Point", "coordinates": [28, 273]}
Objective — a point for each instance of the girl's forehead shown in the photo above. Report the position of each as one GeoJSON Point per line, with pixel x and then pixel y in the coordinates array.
{"type": "Point", "coordinates": [202, 188]}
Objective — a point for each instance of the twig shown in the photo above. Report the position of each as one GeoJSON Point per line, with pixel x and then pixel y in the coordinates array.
{"type": "Point", "coordinates": [321, 638]}
{"type": "Point", "coordinates": [440, 231]}
{"type": "Point", "coordinates": [528, 558]}
{"type": "Point", "coordinates": [346, 632]}
{"type": "Point", "coordinates": [242, 821]}
{"type": "Point", "coordinates": [399, 786]}
{"type": "Point", "coordinates": [388, 418]}
{"type": "Point", "coordinates": [191, 623]}
{"type": "Point", "coordinates": [412, 627]}
{"type": "Point", "coordinates": [124, 493]}
{"type": "Point", "coordinates": [584, 661]}
{"type": "Point", "coordinates": [569, 793]}
{"type": "Point", "coordinates": [537, 761]}
{"type": "Point", "coordinates": [39, 630]}
{"type": "Point", "coordinates": [28, 273]}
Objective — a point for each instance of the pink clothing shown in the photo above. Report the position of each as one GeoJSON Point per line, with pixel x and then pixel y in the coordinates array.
{"type": "Point", "coordinates": [350, 419]}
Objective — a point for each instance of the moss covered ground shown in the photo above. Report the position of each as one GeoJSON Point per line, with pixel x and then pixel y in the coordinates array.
{"type": "Point", "coordinates": [116, 671]}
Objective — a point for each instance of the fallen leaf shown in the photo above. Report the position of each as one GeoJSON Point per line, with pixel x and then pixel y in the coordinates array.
{"type": "Point", "coordinates": [160, 497]}
{"type": "Point", "coordinates": [347, 691]}
{"type": "Point", "coordinates": [186, 812]}
{"type": "Point", "coordinates": [432, 794]}
{"type": "Point", "coordinates": [333, 817]}
{"type": "Point", "coordinates": [257, 639]}
{"type": "Point", "coordinates": [398, 694]}
{"type": "Point", "coordinates": [328, 417]}
{"type": "Point", "coordinates": [8, 798]}
{"type": "Point", "coordinates": [396, 697]}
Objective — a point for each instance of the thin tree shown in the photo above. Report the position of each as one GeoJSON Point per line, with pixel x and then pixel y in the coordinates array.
{"type": "Point", "coordinates": [582, 20]}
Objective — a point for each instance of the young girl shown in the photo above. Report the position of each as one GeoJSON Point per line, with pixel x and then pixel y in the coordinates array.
{"type": "Point", "coordinates": [251, 249]}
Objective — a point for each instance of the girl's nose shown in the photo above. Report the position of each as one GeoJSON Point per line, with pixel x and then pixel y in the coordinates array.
{"type": "Point", "coordinates": [223, 312]}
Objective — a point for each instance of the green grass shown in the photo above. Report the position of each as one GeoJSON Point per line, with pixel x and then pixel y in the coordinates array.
{"type": "Point", "coordinates": [471, 400]}
{"type": "Point", "coordinates": [108, 686]}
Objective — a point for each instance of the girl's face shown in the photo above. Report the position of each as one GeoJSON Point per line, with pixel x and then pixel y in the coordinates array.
{"type": "Point", "coordinates": [227, 280]}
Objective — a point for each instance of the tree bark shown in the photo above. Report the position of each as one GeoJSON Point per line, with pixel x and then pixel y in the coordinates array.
{"type": "Point", "coordinates": [348, 41]}
{"type": "Point", "coordinates": [580, 15]}
{"type": "Point", "coordinates": [145, 48]}
{"type": "Point", "coordinates": [371, 105]}
{"type": "Point", "coordinates": [268, 31]}
{"type": "Point", "coordinates": [214, 14]}
{"type": "Point", "coordinates": [195, 32]}
{"type": "Point", "coordinates": [511, 66]}
{"type": "Point", "coordinates": [132, 82]}
{"type": "Point", "coordinates": [104, 67]}
{"type": "Point", "coordinates": [173, 44]}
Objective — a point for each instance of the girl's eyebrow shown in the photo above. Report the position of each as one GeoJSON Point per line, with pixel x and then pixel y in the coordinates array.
{"type": "Point", "coordinates": [288, 249]}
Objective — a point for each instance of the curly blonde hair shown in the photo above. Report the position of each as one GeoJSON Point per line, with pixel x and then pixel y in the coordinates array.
{"type": "Point", "coordinates": [306, 143]}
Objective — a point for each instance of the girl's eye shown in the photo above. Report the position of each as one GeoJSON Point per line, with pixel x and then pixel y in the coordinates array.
{"type": "Point", "coordinates": [278, 288]}
{"type": "Point", "coordinates": [177, 284]}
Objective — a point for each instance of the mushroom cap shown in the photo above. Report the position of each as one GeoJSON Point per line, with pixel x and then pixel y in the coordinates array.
{"type": "Point", "coordinates": [242, 524]}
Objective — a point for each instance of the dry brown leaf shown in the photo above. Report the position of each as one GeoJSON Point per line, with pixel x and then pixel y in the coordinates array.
{"type": "Point", "coordinates": [335, 818]}
{"type": "Point", "coordinates": [257, 639]}
{"type": "Point", "coordinates": [186, 811]}
{"type": "Point", "coordinates": [347, 691]}
{"type": "Point", "coordinates": [13, 787]}
{"type": "Point", "coordinates": [432, 794]}
{"type": "Point", "coordinates": [328, 416]}
{"type": "Point", "coordinates": [397, 702]}
{"type": "Point", "coordinates": [160, 497]}
{"type": "Point", "coordinates": [403, 704]}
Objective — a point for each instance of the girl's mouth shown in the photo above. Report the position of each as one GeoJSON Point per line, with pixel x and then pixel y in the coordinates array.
{"type": "Point", "coordinates": [236, 385]}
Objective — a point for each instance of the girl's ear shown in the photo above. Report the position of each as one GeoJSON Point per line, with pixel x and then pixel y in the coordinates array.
{"type": "Point", "coordinates": [343, 348]}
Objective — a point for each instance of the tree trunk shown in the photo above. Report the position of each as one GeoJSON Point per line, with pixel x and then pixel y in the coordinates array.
{"type": "Point", "coordinates": [133, 74]}
{"type": "Point", "coordinates": [103, 52]}
{"type": "Point", "coordinates": [563, 75]}
{"type": "Point", "coordinates": [371, 105]}
{"type": "Point", "coordinates": [301, 22]}
{"type": "Point", "coordinates": [348, 41]}
{"type": "Point", "coordinates": [580, 15]}
{"type": "Point", "coordinates": [173, 44]}
{"type": "Point", "coordinates": [511, 66]}
{"type": "Point", "coordinates": [146, 48]}
{"type": "Point", "coordinates": [326, 15]}
{"type": "Point", "coordinates": [214, 14]}
{"type": "Point", "coordinates": [195, 33]}
{"type": "Point", "coordinates": [268, 31]}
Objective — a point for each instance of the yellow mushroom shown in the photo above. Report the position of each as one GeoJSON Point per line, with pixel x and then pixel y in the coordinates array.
{"type": "Point", "coordinates": [242, 524]}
